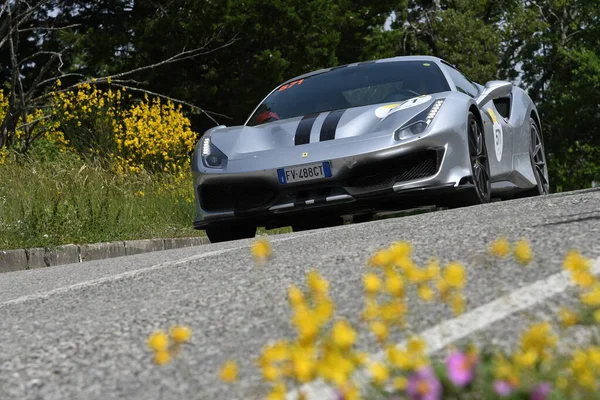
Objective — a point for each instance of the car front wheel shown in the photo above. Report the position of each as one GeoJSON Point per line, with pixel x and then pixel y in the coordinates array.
{"type": "Point", "coordinates": [224, 232]}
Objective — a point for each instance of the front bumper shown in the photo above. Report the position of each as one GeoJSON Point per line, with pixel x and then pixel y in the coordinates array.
{"type": "Point", "coordinates": [389, 177]}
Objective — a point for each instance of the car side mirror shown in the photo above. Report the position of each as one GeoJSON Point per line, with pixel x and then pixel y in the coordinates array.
{"type": "Point", "coordinates": [494, 90]}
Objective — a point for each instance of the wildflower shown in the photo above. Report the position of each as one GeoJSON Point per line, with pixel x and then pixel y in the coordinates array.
{"type": "Point", "coordinates": [523, 253]}
{"type": "Point", "coordinates": [400, 383]}
{"type": "Point", "coordinates": [424, 385]}
{"type": "Point", "coordinates": [541, 391]}
{"type": "Point", "coordinates": [426, 293]}
{"type": "Point", "coordinates": [349, 392]}
{"type": "Point", "coordinates": [500, 247]}
{"type": "Point", "coordinates": [399, 358]}
{"type": "Point", "coordinates": [380, 259]}
{"type": "Point", "coordinates": [261, 249]}
{"type": "Point", "coordinates": [568, 318]}
{"type": "Point", "coordinates": [400, 250]}
{"type": "Point", "coordinates": [394, 284]}
{"type": "Point", "coordinates": [229, 371]}
{"type": "Point", "coordinates": [538, 338]}
{"type": "Point", "coordinates": [343, 335]}
{"type": "Point", "coordinates": [162, 357]}
{"type": "Point", "coordinates": [502, 388]}
{"type": "Point", "coordinates": [317, 284]}
{"type": "Point", "coordinates": [158, 341]}
{"type": "Point", "coordinates": [460, 369]}
{"type": "Point", "coordinates": [457, 302]}
{"type": "Point", "coordinates": [295, 296]}
{"type": "Point", "coordinates": [416, 346]}
{"type": "Point", "coordinates": [180, 334]}
{"type": "Point", "coordinates": [278, 392]}
{"type": "Point", "coordinates": [592, 298]}
{"type": "Point", "coordinates": [380, 330]}
{"type": "Point", "coordinates": [379, 373]}
{"type": "Point", "coordinates": [372, 283]}
{"type": "Point", "coordinates": [525, 359]}
{"type": "Point", "coordinates": [455, 275]}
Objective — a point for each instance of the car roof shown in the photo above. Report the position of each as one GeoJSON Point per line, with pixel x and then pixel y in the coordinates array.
{"type": "Point", "coordinates": [391, 59]}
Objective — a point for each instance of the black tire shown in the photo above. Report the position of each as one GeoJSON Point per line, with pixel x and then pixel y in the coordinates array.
{"type": "Point", "coordinates": [537, 156]}
{"type": "Point", "coordinates": [316, 223]}
{"type": "Point", "coordinates": [480, 168]}
{"type": "Point", "coordinates": [225, 232]}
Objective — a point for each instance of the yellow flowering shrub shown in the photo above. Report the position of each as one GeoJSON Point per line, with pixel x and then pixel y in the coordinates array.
{"type": "Point", "coordinates": [148, 135]}
{"type": "Point", "coordinates": [155, 136]}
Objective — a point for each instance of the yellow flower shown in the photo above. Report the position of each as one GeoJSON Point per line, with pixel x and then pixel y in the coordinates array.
{"type": "Point", "coordinates": [523, 253]}
{"type": "Point", "coordinates": [592, 298]}
{"type": "Point", "coordinates": [426, 293]}
{"type": "Point", "coordinates": [568, 318]}
{"type": "Point", "coordinates": [181, 334]}
{"type": "Point", "coordinates": [457, 303]}
{"type": "Point", "coordinates": [500, 247]}
{"type": "Point", "coordinates": [525, 359]}
{"type": "Point", "coordinates": [278, 392]}
{"type": "Point", "coordinates": [399, 358]}
{"type": "Point", "coordinates": [158, 341]}
{"type": "Point", "coordinates": [400, 383]}
{"type": "Point", "coordinates": [381, 259]}
{"type": "Point", "coordinates": [416, 346]}
{"type": "Point", "coordinates": [261, 249]}
{"type": "Point", "coordinates": [343, 335]}
{"type": "Point", "coordinates": [575, 262]}
{"type": "Point", "coordinates": [162, 357]}
{"type": "Point", "coordinates": [380, 330]}
{"type": "Point", "coordinates": [400, 250]}
{"type": "Point", "coordinates": [394, 284]}
{"type": "Point", "coordinates": [229, 371]}
{"type": "Point", "coordinates": [350, 392]}
{"type": "Point", "coordinates": [270, 373]}
{"type": "Point", "coordinates": [379, 373]}
{"type": "Point", "coordinates": [455, 275]}
{"type": "Point", "coordinates": [316, 283]}
{"type": "Point", "coordinates": [539, 338]}
{"type": "Point", "coordinates": [372, 283]}
{"type": "Point", "coordinates": [295, 296]}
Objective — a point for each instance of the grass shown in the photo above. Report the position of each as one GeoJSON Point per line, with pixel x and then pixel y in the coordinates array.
{"type": "Point", "coordinates": [49, 198]}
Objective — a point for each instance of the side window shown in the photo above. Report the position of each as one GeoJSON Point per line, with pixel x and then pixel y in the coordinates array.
{"type": "Point", "coordinates": [462, 83]}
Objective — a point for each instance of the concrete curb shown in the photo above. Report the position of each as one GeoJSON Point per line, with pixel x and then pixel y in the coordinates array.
{"type": "Point", "coordinates": [23, 259]}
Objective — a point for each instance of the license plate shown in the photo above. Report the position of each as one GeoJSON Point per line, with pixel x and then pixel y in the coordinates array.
{"type": "Point", "coordinates": [304, 172]}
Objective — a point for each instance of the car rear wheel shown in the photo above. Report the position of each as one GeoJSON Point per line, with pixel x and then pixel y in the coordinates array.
{"type": "Point", "coordinates": [230, 231]}
{"type": "Point", "coordinates": [538, 162]}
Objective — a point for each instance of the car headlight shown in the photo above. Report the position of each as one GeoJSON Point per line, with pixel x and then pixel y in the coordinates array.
{"type": "Point", "coordinates": [420, 122]}
{"type": "Point", "coordinates": [212, 157]}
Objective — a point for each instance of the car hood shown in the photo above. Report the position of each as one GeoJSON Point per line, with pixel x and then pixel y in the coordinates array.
{"type": "Point", "coordinates": [334, 127]}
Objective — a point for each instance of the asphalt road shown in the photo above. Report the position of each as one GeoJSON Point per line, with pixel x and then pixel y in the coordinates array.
{"type": "Point", "coordinates": [79, 331]}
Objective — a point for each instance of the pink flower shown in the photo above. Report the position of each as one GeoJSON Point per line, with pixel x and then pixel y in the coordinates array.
{"type": "Point", "coordinates": [424, 385]}
{"type": "Point", "coordinates": [502, 388]}
{"type": "Point", "coordinates": [460, 368]}
{"type": "Point", "coordinates": [541, 391]}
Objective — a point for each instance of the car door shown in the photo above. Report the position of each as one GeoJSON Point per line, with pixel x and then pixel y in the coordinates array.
{"type": "Point", "coordinates": [497, 130]}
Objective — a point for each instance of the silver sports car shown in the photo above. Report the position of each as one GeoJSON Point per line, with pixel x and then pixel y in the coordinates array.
{"type": "Point", "coordinates": [358, 139]}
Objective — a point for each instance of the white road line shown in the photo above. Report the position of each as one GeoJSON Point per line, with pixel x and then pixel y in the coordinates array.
{"type": "Point", "coordinates": [450, 331]}
{"type": "Point", "coordinates": [137, 272]}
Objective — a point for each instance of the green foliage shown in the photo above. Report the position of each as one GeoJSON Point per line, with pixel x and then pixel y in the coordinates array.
{"type": "Point", "coordinates": [50, 198]}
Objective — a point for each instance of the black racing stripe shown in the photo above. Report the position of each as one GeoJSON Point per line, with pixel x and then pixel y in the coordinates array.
{"type": "Point", "coordinates": [304, 128]}
{"type": "Point", "coordinates": [330, 125]}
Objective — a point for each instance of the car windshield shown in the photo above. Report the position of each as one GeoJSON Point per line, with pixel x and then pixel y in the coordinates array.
{"type": "Point", "coordinates": [351, 86]}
